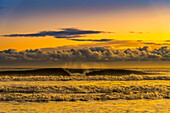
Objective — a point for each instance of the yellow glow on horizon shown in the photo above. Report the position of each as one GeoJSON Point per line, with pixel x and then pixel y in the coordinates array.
{"type": "Point", "coordinates": [35, 43]}
{"type": "Point", "coordinates": [128, 40]}
{"type": "Point", "coordinates": [141, 24]}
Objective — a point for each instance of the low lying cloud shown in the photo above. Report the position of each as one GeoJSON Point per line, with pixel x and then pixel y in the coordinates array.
{"type": "Point", "coordinates": [94, 54]}
{"type": "Point", "coordinates": [96, 40]}
{"type": "Point", "coordinates": [119, 44]}
{"type": "Point", "coordinates": [157, 43]}
{"type": "Point", "coordinates": [134, 32]}
{"type": "Point", "coordinates": [64, 33]}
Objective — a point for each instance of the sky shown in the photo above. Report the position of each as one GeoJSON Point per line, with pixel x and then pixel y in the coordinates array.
{"type": "Point", "coordinates": [41, 24]}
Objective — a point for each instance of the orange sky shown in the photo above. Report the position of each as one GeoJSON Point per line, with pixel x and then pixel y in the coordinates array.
{"type": "Point", "coordinates": [146, 23]}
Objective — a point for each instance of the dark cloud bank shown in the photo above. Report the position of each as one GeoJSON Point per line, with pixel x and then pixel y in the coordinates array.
{"type": "Point", "coordinates": [94, 54]}
{"type": "Point", "coordinates": [64, 33]}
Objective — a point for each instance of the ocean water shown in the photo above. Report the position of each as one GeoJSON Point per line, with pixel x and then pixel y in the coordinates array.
{"type": "Point", "coordinates": [162, 70]}
{"type": "Point", "coordinates": [19, 94]}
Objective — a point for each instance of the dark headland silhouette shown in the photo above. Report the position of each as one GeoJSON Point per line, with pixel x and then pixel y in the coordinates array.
{"type": "Point", "coordinates": [69, 72]}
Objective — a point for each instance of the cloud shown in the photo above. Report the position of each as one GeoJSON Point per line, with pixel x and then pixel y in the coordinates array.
{"type": "Point", "coordinates": [96, 40]}
{"type": "Point", "coordinates": [64, 33]}
{"type": "Point", "coordinates": [151, 43]}
{"type": "Point", "coordinates": [94, 54]}
{"type": "Point", "coordinates": [133, 32]}
{"type": "Point", "coordinates": [119, 44]}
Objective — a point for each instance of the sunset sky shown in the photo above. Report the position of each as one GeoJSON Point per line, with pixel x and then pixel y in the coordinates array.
{"type": "Point", "coordinates": [35, 24]}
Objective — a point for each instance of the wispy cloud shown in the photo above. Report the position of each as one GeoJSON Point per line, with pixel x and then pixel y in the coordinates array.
{"type": "Point", "coordinates": [152, 43]}
{"type": "Point", "coordinates": [121, 44]}
{"type": "Point", "coordinates": [63, 33]}
{"type": "Point", "coordinates": [134, 32]}
{"type": "Point", "coordinates": [96, 40]}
